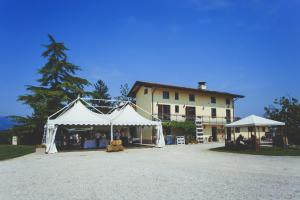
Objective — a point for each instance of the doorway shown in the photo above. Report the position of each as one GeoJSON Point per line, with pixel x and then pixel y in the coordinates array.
{"type": "Point", "coordinates": [214, 134]}
{"type": "Point", "coordinates": [190, 113]}
{"type": "Point", "coordinates": [228, 134]}
{"type": "Point", "coordinates": [228, 116]}
{"type": "Point", "coordinates": [164, 112]}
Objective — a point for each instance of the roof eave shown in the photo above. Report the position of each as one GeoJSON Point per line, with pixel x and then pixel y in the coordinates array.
{"type": "Point", "coordinates": [132, 92]}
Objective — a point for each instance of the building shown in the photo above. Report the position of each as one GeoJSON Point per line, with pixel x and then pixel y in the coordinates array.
{"type": "Point", "coordinates": [213, 109]}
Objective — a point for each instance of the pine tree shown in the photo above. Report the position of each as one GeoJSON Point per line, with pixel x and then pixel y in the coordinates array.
{"type": "Point", "coordinates": [124, 91]}
{"type": "Point", "coordinates": [58, 85]}
{"type": "Point", "coordinates": [101, 92]}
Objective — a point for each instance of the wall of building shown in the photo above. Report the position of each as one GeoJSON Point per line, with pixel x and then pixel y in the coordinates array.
{"type": "Point", "coordinates": [202, 103]}
{"type": "Point", "coordinates": [144, 101]}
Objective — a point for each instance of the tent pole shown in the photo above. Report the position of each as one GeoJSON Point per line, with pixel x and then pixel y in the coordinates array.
{"type": "Point", "coordinates": [258, 134]}
{"type": "Point", "coordinates": [234, 133]}
{"type": "Point", "coordinates": [141, 135]}
{"type": "Point", "coordinates": [255, 138]}
{"type": "Point", "coordinates": [111, 132]}
{"type": "Point", "coordinates": [248, 132]}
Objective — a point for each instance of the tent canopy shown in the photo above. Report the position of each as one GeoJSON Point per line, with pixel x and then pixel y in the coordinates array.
{"type": "Point", "coordinates": [127, 116]}
{"type": "Point", "coordinates": [254, 120]}
{"type": "Point", "coordinates": [79, 114]}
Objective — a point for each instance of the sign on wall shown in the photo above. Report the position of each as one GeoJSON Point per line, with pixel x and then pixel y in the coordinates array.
{"type": "Point", "coordinates": [15, 140]}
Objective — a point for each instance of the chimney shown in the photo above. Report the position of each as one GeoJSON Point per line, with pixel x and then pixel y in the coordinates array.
{"type": "Point", "coordinates": [202, 85]}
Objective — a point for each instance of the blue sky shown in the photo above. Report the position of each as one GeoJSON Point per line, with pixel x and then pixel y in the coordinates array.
{"type": "Point", "coordinates": [250, 47]}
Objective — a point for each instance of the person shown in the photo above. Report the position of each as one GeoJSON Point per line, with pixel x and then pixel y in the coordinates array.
{"type": "Point", "coordinates": [97, 135]}
{"type": "Point", "coordinates": [239, 140]}
{"type": "Point", "coordinates": [123, 137]}
{"type": "Point", "coordinates": [253, 141]}
{"type": "Point", "coordinates": [82, 139]}
{"type": "Point", "coordinates": [118, 135]}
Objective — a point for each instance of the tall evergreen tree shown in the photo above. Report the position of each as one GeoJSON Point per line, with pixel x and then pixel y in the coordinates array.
{"type": "Point", "coordinates": [101, 92]}
{"type": "Point", "coordinates": [124, 91]}
{"type": "Point", "coordinates": [58, 85]}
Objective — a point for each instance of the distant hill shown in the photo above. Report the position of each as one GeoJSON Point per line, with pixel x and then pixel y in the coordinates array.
{"type": "Point", "coordinates": [5, 123]}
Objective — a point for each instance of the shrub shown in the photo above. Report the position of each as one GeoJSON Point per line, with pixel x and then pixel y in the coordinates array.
{"type": "Point", "coordinates": [188, 128]}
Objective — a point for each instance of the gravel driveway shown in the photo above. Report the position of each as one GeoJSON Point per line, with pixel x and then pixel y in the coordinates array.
{"type": "Point", "coordinates": [174, 172]}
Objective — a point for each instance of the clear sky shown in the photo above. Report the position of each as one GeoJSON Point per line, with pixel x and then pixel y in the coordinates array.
{"type": "Point", "coordinates": [249, 47]}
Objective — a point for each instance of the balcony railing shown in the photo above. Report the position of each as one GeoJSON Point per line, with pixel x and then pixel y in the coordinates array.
{"type": "Point", "coordinates": [204, 119]}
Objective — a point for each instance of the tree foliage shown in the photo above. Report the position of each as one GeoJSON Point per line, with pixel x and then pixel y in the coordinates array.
{"type": "Point", "coordinates": [57, 86]}
{"type": "Point", "coordinates": [188, 127]}
{"type": "Point", "coordinates": [124, 91]}
{"type": "Point", "coordinates": [101, 92]}
{"type": "Point", "coordinates": [286, 110]}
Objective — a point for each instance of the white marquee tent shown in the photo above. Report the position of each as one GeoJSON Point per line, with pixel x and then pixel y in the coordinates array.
{"type": "Point", "coordinates": [254, 120]}
{"type": "Point", "coordinates": [76, 113]}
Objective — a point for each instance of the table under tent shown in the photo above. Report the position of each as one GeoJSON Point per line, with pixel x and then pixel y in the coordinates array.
{"type": "Point", "coordinates": [82, 116]}
{"type": "Point", "coordinates": [253, 123]}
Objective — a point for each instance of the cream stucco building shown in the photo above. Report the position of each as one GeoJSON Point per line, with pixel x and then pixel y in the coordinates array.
{"type": "Point", "coordinates": [176, 103]}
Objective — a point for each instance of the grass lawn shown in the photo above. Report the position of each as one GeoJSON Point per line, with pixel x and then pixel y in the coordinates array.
{"type": "Point", "coordinates": [10, 151]}
{"type": "Point", "coordinates": [270, 151]}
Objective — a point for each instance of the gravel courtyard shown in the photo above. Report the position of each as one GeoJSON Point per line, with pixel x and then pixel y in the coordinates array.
{"type": "Point", "coordinates": [174, 172]}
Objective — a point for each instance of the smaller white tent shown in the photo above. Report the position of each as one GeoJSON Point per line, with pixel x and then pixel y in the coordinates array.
{"type": "Point", "coordinates": [254, 120]}
{"type": "Point", "coordinates": [127, 116]}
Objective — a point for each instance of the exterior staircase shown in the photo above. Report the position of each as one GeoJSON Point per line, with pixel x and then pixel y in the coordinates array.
{"type": "Point", "coordinates": [44, 137]}
{"type": "Point", "coordinates": [199, 131]}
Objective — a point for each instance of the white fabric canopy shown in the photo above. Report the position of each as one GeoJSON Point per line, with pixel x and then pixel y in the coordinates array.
{"type": "Point", "coordinates": [79, 114]}
{"type": "Point", "coordinates": [127, 116]}
{"type": "Point", "coordinates": [254, 120]}
{"type": "Point", "coordinates": [160, 140]}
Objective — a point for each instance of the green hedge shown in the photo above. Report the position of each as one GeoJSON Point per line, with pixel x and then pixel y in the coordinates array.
{"type": "Point", "coordinates": [188, 128]}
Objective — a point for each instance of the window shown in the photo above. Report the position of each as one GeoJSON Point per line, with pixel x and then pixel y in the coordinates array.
{"type": "Point", "coordinates": [228, 116]}
{"type": "Point", "coordinates": [176, 96]}
{"type": "Point", "coordinates": [146, 91]}
{"type": "Point", "coordinates": [250, 129]}
{"type": "Point", "coordinates": [164, 112]}
{"type": "Point", "coordinates": [191, 97]}
{"type": "Point", "coordinates": [176, 109]}
{"type": "Point", "coordinates": [263, 129]}
{"type": "Point", "coordinates": [165, 95]}
{"type": "Point", "coordinates": [213, 112]}
{"type": "Point", "coordinates": [237, 130]}
{"type": "Point", "coordinates": [213, 100]}
{"type": "Point", "coordinates": [227, 101]}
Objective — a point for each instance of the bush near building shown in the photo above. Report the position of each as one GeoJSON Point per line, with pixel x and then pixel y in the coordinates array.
{"type": "Point", "coordinates": [187, 128]}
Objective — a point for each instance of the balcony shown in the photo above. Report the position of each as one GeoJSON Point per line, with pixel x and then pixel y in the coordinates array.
{"type": "Point", "coordinates": [209, 120]}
